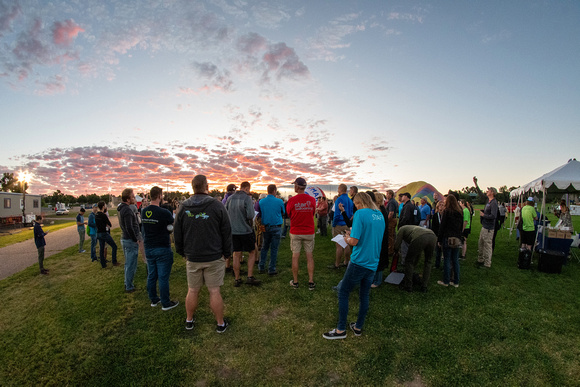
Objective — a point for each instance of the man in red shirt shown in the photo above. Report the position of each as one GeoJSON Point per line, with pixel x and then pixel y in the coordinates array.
{"type": "Point", "coordinates": [301, 209]}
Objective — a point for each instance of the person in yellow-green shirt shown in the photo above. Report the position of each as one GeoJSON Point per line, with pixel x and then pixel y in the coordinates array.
{"type": "Point", "coordinates": [529, 214]}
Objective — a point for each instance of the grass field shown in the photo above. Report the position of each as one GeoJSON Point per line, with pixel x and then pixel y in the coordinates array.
{"type": "Point", "coordinates": [502, 326]}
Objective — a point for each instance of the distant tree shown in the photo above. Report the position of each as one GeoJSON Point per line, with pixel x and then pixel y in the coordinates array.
{"type": "Point", "coordinates": [216, 192]}
{"type": "Point", "coordinates": [93, 198]}
{"type": "Point", "coordinates": [82, 199]}
{"type": "Point", "coordinates": [9, 182]}
{"type": "Point", "coordinates": [106, 198]}
{"type": "Point", "coordinates": [69, 199]}
{"type": "Point", "coordinates": [56, 197]}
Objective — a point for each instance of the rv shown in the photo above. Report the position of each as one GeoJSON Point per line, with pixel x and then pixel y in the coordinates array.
{"type": "Point", "coordinates": [12, 204]}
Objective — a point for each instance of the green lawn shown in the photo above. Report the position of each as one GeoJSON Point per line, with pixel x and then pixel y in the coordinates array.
{"type": "Point", "coordinates": [502, 326]}
{"type": "Point", "coordinates": [27, 233]}
{"type": "Point", "coordinates": [56, 222]}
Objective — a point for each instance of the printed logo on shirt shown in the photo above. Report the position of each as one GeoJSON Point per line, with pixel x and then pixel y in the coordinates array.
{"type": "Point", "coordinates": [307, 206]}
{"type": "Point", "coordinates": [148, 213]}
{"type": "Point", "coordinates": [202, 215]}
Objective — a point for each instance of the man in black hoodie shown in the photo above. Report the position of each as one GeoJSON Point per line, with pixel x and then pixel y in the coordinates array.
{"type": "Point", "coordinates": [203, 235]}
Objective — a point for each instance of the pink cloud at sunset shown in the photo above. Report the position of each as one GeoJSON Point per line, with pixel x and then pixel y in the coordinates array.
{"type": "Point", "coordinates": [64, 33]}
{"type": "Point", "coordinates": [89, 169]}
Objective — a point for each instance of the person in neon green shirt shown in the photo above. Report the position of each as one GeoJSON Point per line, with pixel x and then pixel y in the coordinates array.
{"type": "Point", "coordinates": [529, 230]}
{"type": "Point", "coordinates": [466, 226]}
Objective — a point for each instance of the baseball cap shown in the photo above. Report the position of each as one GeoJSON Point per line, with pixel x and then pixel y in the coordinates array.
{"type": "Point", "coordinates": [231, 187]}
{"type": "Point", "coordinates": [300, 182]}
{"type": "Point", "coordinates": [530, 199]}
{"type": "Point", "coordinates": [407, 195]}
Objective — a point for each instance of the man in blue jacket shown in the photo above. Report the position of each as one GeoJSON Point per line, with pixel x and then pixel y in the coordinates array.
{"type": "Point", "coordinates": [40, 243]}
{"type": "Point", "coordinates": [272, 210]}
{"type": "Point", "coordinates": [339, 225]}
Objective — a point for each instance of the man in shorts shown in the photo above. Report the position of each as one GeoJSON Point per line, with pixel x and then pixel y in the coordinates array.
{"type": "Point", "coordinates": [241, 211]}
{"type": "Point", "coordinates": [301, 209]}
{"type": "Point", "coordinates": [203, 235]}
{"type": "Point", "coordinates": [529, 215]}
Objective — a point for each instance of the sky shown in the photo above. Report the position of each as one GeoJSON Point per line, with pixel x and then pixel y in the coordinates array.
{"type": "Point", "coordinates": [96, 96]}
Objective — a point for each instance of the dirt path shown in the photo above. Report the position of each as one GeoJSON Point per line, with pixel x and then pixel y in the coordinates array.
{"type": "Point", "coordinates": [19, 256]}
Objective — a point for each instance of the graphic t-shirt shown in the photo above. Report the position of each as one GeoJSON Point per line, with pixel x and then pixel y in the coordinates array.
{"type": "Point", "coordinates": [368, 226]}
{"type": "Point", "coordinates": [155, 221]}
{"type": "Point", "coordinates": [301, 209]}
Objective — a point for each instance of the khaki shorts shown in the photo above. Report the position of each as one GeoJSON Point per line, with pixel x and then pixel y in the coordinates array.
{"type": "Point", "coordinates": [338, 230]}
{"type": "Point", "coordinates": [297, 241]}
{"type": "Point", "coordinates": [209, 273]}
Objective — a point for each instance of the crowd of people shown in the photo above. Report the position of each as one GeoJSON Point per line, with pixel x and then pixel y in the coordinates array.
{"type": "Point", "coordinates": [372, 233]}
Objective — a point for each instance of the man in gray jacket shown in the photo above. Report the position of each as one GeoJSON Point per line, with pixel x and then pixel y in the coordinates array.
{"type": "Point", "coordinates": [131, 239]}
{"type": "Point", "coordinates": [241, 211]}
{"type": "Point", "coordinates": [488, 221]}
{"type": "Point", "coordinates": [203, 235]}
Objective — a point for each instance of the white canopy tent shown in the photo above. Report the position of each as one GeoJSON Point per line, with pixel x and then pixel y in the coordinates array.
{"type": "Point", "coordinates": [564, 179]}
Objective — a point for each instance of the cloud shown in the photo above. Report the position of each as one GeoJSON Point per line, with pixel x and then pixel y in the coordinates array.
{"type": "Point", "coordinates": [270, 15]}
{"type": "Point", "coordinates": [330, 38]}
{"type": "Point", "coordinates": [217, 79]}
{"type": "Point", "coordinates": [284, 63]}
{"type": "Point", "coordinates": [63, 33]}
{"type": "Point", "coordinates": [56, 85]}
{"type": "Point", "coordinates": [94, 168]}
{"type": "Point", "coordinates": [8, 13]}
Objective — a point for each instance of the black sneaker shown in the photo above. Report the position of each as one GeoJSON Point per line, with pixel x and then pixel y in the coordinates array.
{"type": "Point", "coordinates": [294, 284]}
{"type": "Point", "coordinates": [333, 335]}
{"type": "Point", "coordinates": [171, 305]}
{"type": "Point", "coordinates": [238, 282]}
{"type": "Point", "coordinates": [154, 304]}
{"type": "Point", "coordinates": [222, 329]}
{"type": "Point", "coordinates": [333, 266]}
{"type": "Point", "coordinates": [311, 286]}
{"type": "Point", "coordinates": [357, 332]}
{"type": "Point", "coordinates": [189, 324]}
{"type": "Point", "coordinates": [253, 281]}
{"type": "Point", "coordinates": [261, 271]}
{"type": "Point", "coordinates": [272, 273]}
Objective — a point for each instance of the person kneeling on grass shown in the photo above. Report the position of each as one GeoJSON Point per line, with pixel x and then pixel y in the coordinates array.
{"type": "Point", "coordinates": [366, 237]}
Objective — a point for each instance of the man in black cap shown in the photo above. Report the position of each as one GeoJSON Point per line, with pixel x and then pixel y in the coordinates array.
{"type": "Point", "coordinates": [301, 209]}
{"type": "Point", "coordinates": [407, 213]}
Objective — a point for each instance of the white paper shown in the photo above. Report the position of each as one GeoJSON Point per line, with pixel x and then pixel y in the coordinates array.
{"type": "Point", "coordinates": [395, 278]}
{"type": "Point", "coordinates": [340, 240]}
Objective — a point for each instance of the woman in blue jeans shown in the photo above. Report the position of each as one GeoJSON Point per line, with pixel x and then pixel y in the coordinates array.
{"type": "Point", "coordinates": [450, 239]}
{"type": "Point", "coordinates": [366, 236]}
